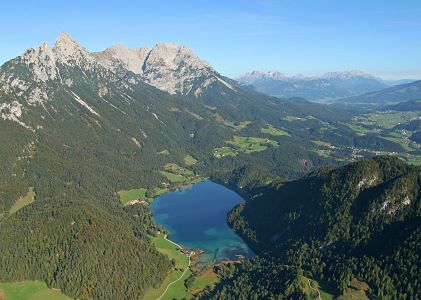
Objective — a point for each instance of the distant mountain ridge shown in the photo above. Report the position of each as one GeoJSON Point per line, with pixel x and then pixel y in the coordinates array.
{"type": "Point", "coordinates": [169, 67]}
{"type": "Point", "coordinates": [400, 93]}
{"type": "Point", "coordinates": [326, 87]}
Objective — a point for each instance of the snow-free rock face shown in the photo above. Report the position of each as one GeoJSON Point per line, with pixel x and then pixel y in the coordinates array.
{"type": "Point", "coordinates": [169, 67]}
{"type": "Point", "coordinates": [43, 74]}
{"type": "Point", "coordinates": [253, 76]}
{"type": "Point", "coordinates": [344, 75]}
{"type": "Point", "coordinates": [119, 58]}
{"type": "Point", "coordinates": [43, 65]}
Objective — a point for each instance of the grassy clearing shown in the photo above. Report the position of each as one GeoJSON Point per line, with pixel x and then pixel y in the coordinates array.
{"type": "Point", "coordinates": [237, 126]}
{"type": "Point", "coordinates": [159, 191]}
{"type": "Point", "coordinates": [251, 144]}
{"type": "Point", "coordinates": [401, 141]}
{"type": "Point", "coordinates": [356, 290]}
{"type": "Point", "coordinates": [164, 152]}
{"type": "Point", "coordinates": [171, 250]}
{"type": "Point", "coordinates": [312, 294]}
{"type": "Point", "coordinates": [174, 178]}
{"type": "Point", "coordinates": [210, 107]}
{"type": "Point", "coordinates": [224, 151]}
{"type": "Point", "coordinates": [245, 145]}
{"type": "Point", "coordinates": [322, 153]}
{"type": "Point", "coordinates": [294, 118]}
{"type": "Point", "coordinates": [189, 160]}
{"type": "Point", "coordinates": [392, 118]}
{"type": "Point", "coordinates": [414, 160]}
{"type": "Point", "coordinates": [176, 169]}
{"type": "Point", "coordinates": [176, 174]}
{"type": "Point", "coordinates": [129, 195]}
{"type": "Point", "coordinates": [321, 143]}
{"type": "Point", "coordinates": [206, 278]}
{"type": "Point", "coordinates": [177, 290]}
{"type": "Point", "coordinates": [23, 201]}
{"type": "Point", "coordinates": [361, 130]}
{"type": "Point", "coordinates": [274, 131]}
{"type": "Point", "coordinates": [29, 290]}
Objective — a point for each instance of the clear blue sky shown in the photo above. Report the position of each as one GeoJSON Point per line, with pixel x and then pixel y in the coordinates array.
{"type": "Point", "coordinates": [382, 37]}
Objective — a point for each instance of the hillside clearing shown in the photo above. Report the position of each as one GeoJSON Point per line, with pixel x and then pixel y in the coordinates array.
{"type": "Point", "coordinates": [29, 290]}
{"type": "Point", "coordinates": [23, 201]}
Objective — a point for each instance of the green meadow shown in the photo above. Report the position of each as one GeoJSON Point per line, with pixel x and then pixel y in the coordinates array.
{"type": "Point", "coordinates": [177, 290]}
{"type": "Point", "coordinates": [29, 290]}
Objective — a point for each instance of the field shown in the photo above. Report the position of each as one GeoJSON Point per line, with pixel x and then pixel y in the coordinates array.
{"type": "Point", "coordinates": [176, 169]}
{"type": "Point", "coordinates": [274, 131]}
{"type": "Point", "coordinates": [243, 144]}
{"type": "Point", "coordinates": [29, 290]}
{"type": "Point", "coordinates": [361, 130]}
{"type": "Point", "coordinates": [237, 126]}
{"type": "Point", "coordinates": [293, 118]}
{"type": "Point", "coordinates": [356, 290]}
{"type": "Point", "coordinates": [251, 144]}
{"type": "Point", "coordinates": [224, 151]}
{"type": "Point", "coordinates": [321, 143]}
{"type": "Point", "coordinates": [159, 191]}
{"type": "Point", "coordinates": [23, 201]}
{"type": "Point", "coordinates": [206, 278]}
{"type": "Point", "coordinates": [189, 160]}
{"type": "Point", "coordinates": [390, 119]}
{"type": "Point", "coordinates": [176, 174]}
{"type": "Point", "coordinates": [164, 152]}
{"type": "Point", "coordinates": [174, 178]}
{"type": "Point", "coordinates": [177, 290]}
{"type": "Point", "coordinates": [415, 161]}
{"type": "Point", "coordinates": [398, 140]}
{"type": "Point", "coordinates": [323, 153]}
{"type": "Point", "coordinates": [311, 293]}
{"type": "Point", "coordinates": [129, 195]}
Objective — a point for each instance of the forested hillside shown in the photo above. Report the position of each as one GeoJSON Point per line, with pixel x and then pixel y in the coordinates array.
{"type": "Point", "coordinates": [335, 225]}
{"type": "Point", "coordinates": [75, 133]}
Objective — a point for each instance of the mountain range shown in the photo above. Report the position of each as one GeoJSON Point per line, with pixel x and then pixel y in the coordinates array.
{"type": "Point", "coordinates": [79, 127]}
{"type": "Point", "coordinates": [399, 93]}
{"type": "Point", "coordinates": [76, 130]}
{"type": "Point", "coordinates": [327, 87]}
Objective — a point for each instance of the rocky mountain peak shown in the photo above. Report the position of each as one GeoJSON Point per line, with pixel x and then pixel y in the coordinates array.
{"type": "Point", "coordinates": [120, 56]}
{"type": "Point", "coordinates": [173, 56]}
{"type": "Point", "coordinates": [346, 75]}
{"type": "Point", "coordinates": [253, 76]}
{"type": "Point", "coordinates": [42, 61]}
{"type": "Point", "coordinates": [170, 67]}
{"type": "Point", "coordinates": [67, 49]}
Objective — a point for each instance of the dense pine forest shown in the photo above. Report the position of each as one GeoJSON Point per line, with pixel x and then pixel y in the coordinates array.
{"type": "Point", "coordinates": [358, 221]}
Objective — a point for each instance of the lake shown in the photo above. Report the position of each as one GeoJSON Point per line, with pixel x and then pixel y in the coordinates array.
{"type": "Point", "coordinates": [196, 217]}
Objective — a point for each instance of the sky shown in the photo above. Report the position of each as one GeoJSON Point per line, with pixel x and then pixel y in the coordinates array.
{"type": "Point", "coordinates": [308, 37]}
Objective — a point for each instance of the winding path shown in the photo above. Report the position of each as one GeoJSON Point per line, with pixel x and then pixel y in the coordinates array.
{"type": "Point", "coordinates": [181, 276]}
{"type": "Point", "coordinates": [309, 284]}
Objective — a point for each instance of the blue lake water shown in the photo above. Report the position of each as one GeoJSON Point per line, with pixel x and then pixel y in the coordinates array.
{"type": "Point", "coordinates": [196, 217]}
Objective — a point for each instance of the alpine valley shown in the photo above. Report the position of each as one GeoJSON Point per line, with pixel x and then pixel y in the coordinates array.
{"type": "Point", "coordinates": [90, 139]}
